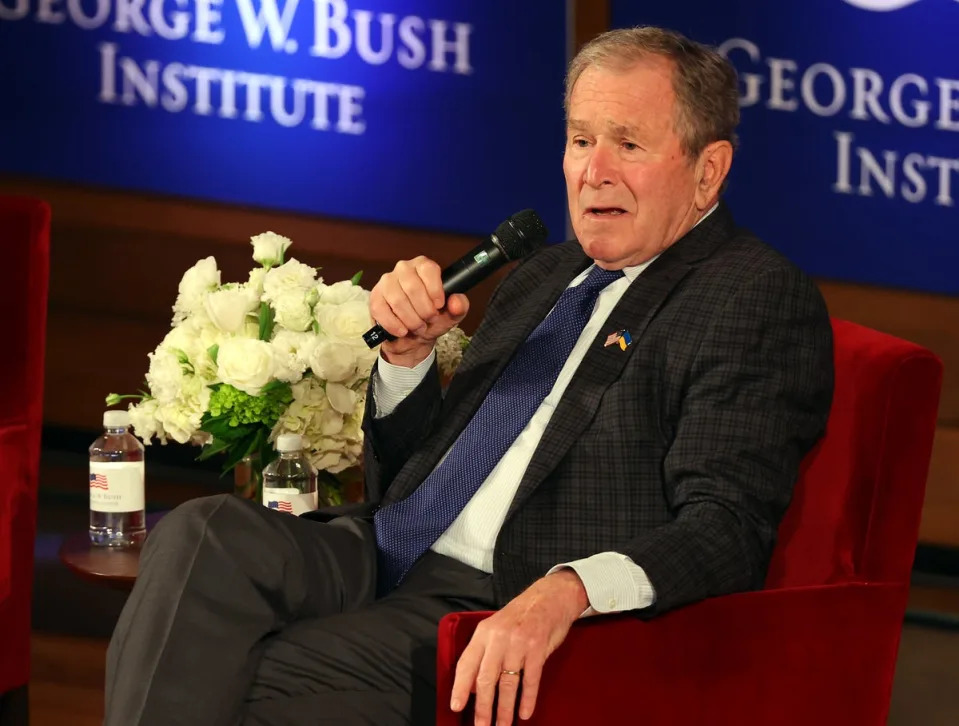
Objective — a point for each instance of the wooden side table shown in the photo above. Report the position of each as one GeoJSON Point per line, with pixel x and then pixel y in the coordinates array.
{"type": "Point", "coordinates": [104, 565]}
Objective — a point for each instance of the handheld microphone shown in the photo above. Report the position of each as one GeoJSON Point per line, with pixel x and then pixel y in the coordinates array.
{"type": "Point", "coordinates": [514, 239]}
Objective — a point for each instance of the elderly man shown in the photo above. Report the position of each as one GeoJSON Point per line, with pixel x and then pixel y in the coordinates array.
{"type": "Point", "coordinates": [647, 392]}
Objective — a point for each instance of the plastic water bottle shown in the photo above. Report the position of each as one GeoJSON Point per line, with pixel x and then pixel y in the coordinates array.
{"type": "Point", "coordinates": [289, 482]}
{"type": "Point", "coordinates": [117, 517]}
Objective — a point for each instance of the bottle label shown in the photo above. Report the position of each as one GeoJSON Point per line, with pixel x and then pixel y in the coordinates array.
{"type": "Point", "coordinates": [289, 499]}
{"type": "Point", "coordinates": [116, 486]}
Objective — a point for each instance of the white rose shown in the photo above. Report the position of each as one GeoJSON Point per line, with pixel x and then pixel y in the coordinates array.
{"type": "Point", "coordinates": [269, 247]}
{"type": "Point", "coordinates": [347, 321]}
{"type": "Point", "coordinates": [292, 277]}
{"type": "Point", "coordinates": [341, 398]}
{"type": "Point", "coordinates": [333, 362]}
{"type": "Point", "coordinates": [179, 421]}
{"type": "Point", "coordinates": [255, 282]}
{"type": "Point", "coordinates": [292, 311]}
{"type": "Point", "coordinates": [143, 419]}
{"type": "Point", "coordinates": [195, 337]}
{"type": "Point", "coordinates": [228, 307]}
{"type": "Point", "coordinates": [195, 395]}
{"type": "Point", "coordinates": [340, 292]}
{"type": "Point", "coordinates": [245, 364]}
{"type": "Point", "coordinates": [165, 374]}
{"type": "Point", "coordinates": [195, 284]}
{"type": "Point", "coordinates": [291, 354]}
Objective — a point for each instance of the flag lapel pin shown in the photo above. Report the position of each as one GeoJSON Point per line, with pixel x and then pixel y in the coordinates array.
{"type": "Point", "coordinates": [621, 337]}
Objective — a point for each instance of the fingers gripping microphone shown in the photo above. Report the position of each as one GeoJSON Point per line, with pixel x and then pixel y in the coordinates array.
{"type": "Point", "coordinates": [514, 239]}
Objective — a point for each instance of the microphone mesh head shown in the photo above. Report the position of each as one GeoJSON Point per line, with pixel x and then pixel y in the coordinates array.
{"type": "Point", "coordinates": [521, 234]}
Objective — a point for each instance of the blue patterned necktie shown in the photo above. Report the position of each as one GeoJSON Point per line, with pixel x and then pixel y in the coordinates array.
{"type": "Point", "coordinates": [407, 528]}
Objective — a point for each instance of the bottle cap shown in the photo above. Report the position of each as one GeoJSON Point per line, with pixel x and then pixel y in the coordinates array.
{"type": "Point", "coordinates": [116, 419]}
{"type": "Point", "coordinates": [289, 442]}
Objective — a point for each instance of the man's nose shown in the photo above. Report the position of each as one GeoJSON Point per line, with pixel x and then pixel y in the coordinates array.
{"type": "Point", "coordinates": [603, 167]}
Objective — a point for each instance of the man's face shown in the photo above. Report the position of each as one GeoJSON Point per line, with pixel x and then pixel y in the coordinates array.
{"type": "Point", "coordinates": [631, 189]}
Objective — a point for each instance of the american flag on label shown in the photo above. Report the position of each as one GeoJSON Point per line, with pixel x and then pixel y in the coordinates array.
{"type": "Point", "coordinates": [280, 505]}
{"type": "Point", "coordinates": [99, 481]}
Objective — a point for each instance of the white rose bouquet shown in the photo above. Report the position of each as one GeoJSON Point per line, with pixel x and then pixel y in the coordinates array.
{"type": "Point", "coordinates": [280, 353]}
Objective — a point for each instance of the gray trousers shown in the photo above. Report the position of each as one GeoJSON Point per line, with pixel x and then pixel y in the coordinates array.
{"type": "Point", "coordinates": [244, 615]}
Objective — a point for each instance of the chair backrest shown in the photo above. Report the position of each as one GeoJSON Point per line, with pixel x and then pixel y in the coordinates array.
{"type": "Point", "coordinates": [856, 507]}
{"type": "Point", "coordinates": [25, 247]}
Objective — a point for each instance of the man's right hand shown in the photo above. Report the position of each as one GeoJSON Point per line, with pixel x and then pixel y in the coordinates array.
{"type": "Point", "coordinates": [409, 303]}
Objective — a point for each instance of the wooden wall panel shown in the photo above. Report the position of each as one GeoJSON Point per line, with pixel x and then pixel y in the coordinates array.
{"type": "Point", "coordinates": [929, 320]}
{"type": "Point", "coordinates": [590, 18]}
{"type": "Point", "coordinates": [940, 512]}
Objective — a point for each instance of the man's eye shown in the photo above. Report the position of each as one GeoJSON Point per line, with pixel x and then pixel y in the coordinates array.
{"type": "Point", "coordinates": [580, 143]}
{"type": "Point", "coordinates": [630, 146]}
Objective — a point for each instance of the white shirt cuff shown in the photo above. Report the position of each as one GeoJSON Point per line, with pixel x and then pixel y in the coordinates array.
{"type": "Point", "coordinates": [392, 383]}
{"type": "Point", "coordinates": [613, 583]}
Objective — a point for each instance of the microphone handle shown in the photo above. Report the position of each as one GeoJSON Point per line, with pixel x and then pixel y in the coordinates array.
{"type": "Point", "coordinates": [463, 274]}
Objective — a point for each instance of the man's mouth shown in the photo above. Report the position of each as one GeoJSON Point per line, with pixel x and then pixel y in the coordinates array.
{"type": "Point", "coordinates": [606, 211]}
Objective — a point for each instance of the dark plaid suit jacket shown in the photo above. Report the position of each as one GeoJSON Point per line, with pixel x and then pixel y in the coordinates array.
{"type": "Point", "coordinates": [680, 452]}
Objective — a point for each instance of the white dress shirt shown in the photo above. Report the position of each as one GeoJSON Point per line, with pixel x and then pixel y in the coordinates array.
{"type": "Point", "coordinates": [613, 582]}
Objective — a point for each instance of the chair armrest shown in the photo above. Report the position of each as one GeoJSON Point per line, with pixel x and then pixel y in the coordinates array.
{"type": "Point", "coordinates": [791, 656]}
{"type": "Point", "coordinates": [13, 474]}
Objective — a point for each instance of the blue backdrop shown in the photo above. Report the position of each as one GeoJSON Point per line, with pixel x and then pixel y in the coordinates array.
{"type": "Point", "coordinates": [849, 160]}
{"type": "Point", "coordinates": [450, 135]}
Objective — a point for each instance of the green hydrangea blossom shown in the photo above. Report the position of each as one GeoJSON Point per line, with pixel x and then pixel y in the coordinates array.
{"type": "Point", "coordinates": [243, 408]}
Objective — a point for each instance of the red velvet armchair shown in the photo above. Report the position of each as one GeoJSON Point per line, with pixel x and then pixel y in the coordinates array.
{"type": "Point", "coordinates": [819, 644]}
{"type": "Point", "coordinates": [25, 249]}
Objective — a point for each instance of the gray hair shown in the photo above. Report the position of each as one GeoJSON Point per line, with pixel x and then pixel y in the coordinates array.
{"type": "Point", "coordinates": [705, 83]}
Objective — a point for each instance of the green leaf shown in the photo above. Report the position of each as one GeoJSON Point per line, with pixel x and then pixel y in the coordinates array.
{"type": "Point", "coordinates": [357, 277]}
{"type": "Point", "coordinates": [266, 321]}
{"type": "Point", "coordinates": [242, 448]}
{"type": "Point", "coordinates": [253, 446]}
{"type": "Point", "coordinates": [212, 449]}
{"type": "Point", "coordinates": [220, 428]}
{"type": "Point", "coordinates": [208, 419]}
{"type": "Point", "coordinates": [275, 386]}
{"type": "Point", "coordinates": [114, 398]}
{"type": "Point", "coordinates": [267, 452]}
{"type": "Point", "coordinates": [214, 351]}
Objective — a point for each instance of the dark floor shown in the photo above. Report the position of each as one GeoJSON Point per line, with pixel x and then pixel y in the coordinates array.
{"type": "Point", "coordinates": [925, 693]}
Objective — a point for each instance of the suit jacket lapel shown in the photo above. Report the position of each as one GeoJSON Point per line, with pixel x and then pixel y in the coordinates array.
{"type": "Point", "coordinates": [603, 365]}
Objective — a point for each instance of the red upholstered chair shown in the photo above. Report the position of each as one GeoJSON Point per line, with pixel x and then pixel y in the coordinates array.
{"type": "Point", "coordinates": [819, 644]}
{"type": "Point", "coordinates": [25, 250]}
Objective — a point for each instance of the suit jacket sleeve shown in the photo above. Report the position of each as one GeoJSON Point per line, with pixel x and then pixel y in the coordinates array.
{"type": "Point", "coordinates": [391, 440]}
{"type": "Point", "coordinates": [757, 398]}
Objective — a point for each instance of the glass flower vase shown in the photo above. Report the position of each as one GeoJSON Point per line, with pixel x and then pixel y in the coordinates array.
{"type": "Point", "coordinates": [248, 478]}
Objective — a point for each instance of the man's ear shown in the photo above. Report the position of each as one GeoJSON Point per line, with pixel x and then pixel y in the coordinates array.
{"type": "Point", "coordinates": [714, 163]}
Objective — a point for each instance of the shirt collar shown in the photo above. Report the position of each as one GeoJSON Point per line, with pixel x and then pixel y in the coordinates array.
{"type": "Point", "coordinates": [633, 272]}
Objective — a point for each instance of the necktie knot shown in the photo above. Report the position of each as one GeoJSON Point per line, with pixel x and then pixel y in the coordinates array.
{"type": "Point", "coordinates": [595, 282]}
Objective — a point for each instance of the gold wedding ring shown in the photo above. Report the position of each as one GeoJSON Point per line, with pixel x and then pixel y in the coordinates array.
{"type": "Point", "coordinates": [510, 673]}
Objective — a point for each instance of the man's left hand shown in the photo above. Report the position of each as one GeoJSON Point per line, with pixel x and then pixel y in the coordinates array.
{"type": "Point", "coordinates": [517, 639]}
